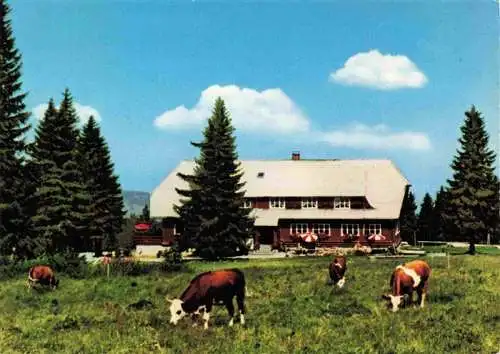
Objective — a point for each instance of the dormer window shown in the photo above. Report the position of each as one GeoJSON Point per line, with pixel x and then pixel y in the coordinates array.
{"type": "Point", "coordinates": [309, 203]}
{"type": "Point", "coordinates": [260, 175]}
{"type": "Point", "coordinates": [277, 203]}
{"type": "Point", "coordinates": [342, 203]}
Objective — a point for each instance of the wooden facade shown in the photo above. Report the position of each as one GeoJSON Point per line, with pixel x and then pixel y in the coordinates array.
{"type": "Point", "coordinates": [332, 233]}
{"type": "Point", "coordinates": [378, 188]}
{"type": "Point", "coordinates": [356, 203]}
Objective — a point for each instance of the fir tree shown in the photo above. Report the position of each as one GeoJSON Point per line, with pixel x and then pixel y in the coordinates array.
{"type": "Point", "coordinates": [45, 176]}
{"type": "Point", "coordinates": [126, 235]}
{"type": "Point", "coordinates": [190, 216]}
{"type": "Point", "coordinates": [145, 213]}
{"type": "Point", "coordinates": [63, 214]}
{"type": "Point", "coordinates": [77, 195]}
{"type": "Point", "coordinates": [425, 219]}
{"type": "Point", "coordinates": [472, 209]}
{"type": "Point", "coordinates": [214, 219]}
{"type": "Point", "coordinates": [40, 151]}
{"type": "Point", "coordinates": [14, 223]}
{"type": "Point", "coordinates": [495, 233]}
{"type": "Point", "coordinates": [408, 223]}
{"type": "Point", "coordinates": [102, 185]}
{"type": "Point", "coordinates": [438, 224]}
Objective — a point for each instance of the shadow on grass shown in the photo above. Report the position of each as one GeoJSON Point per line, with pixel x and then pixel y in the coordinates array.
{"type": "Point", "coordinates": [446, 298]}
{"type": "Point", "coordinates": [71, 322]}
{"type": "Point", "coordinates": [347, 309]}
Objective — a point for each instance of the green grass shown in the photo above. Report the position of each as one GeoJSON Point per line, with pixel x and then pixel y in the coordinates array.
{"type": "Point", "coordinates": [290, 310]}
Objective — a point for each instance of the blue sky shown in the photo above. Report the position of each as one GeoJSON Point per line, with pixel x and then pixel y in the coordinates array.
{"type": "Point", "coordinates": [333, 79]}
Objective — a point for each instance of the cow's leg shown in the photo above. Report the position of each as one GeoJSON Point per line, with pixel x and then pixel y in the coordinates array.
{"type": "Point", "coordinates": [422, 294]}
{"type": "Point", "coordinates": [31, 283]}
{"type": "Point", "coordinates": [240, 299]}
{"type": "Point", "coordinates": [230, 310]}
{"type": "Point", "coordinates": [422, 300]}
{"type": "Point", "coordinates": [410, 298]}
{"type": "Point", "coordinates": [206, 313]}
{"type": "Point", "coordinates": [194, 318]}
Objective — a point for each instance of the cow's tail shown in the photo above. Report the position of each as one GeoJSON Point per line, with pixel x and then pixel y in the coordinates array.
{"type": "Point", "coordinates": [241, 275]}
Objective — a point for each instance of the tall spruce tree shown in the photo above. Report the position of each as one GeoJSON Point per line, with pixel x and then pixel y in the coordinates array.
{"type": "Point", "coordinates": [190, 215]}
{"type": "Point", "coordinates": [145, 213]}
{"type": "Point", "coordinates": [40, 151]}
{"type": "Point", "coordinates": [438, 224]}
{"type": "Point", "coordinates": [13, 126]}
{"type": "Point", "coordinates": [63, 213]}
{"type": "Point", "coordinates": [44, 178]}
{"type": "Point", "coordinates": [408, 220]}
{"type": "Point", "coordinates": [425, 219]}
{"type": "Point", "coordinates": [472, 209]}
{"type": "Point", "coordinates": [495, 233]}
{"type": "Point", "coordinates": [214, 219]}
{"type": "Point", "coordinates": [104, 190]}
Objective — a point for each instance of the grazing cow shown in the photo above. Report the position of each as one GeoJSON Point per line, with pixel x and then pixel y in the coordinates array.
{"type": "Point", "coordinates": [218, 286]}
{"type": "Point", "coordinates": [43, 275]}
{"type": "Point", "coordinates": [337, 269]}
{"type": "Point", "coordinates": [405, 279]}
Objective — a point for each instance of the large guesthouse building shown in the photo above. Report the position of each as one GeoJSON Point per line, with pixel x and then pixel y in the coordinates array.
{"type": "Point", "coordinates": [335, 201]}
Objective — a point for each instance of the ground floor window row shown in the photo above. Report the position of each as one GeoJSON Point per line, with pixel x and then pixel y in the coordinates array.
{"type": "Point", "coordinates": [345, 229]}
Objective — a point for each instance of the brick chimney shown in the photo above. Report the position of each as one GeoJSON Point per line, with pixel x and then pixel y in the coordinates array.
{"type": "Point", "coordinates": [296, 155]}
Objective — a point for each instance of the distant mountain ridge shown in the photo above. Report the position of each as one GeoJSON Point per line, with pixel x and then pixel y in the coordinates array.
{"type": "Point", "coordinates": [134, 201]}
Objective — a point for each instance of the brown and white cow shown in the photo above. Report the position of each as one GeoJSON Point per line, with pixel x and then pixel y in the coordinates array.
{"type": "Point", "coordinates": [405, 279]}
{"type": "Point", "coordinates": [337, 269]}
{"type": "Point", "coordinates": [209, 288]}
{"type": "Point", "coordinates": [42, 274]}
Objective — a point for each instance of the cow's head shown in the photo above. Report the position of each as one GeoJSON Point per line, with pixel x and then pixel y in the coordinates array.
{"type": "Point", "coordinates": [176, 310]}
{"type": "Point", "coordinates": [394, 301]}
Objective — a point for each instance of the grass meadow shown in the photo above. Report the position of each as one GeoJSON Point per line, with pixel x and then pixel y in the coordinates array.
{"type": "Point", "coordinates": [290, 309]}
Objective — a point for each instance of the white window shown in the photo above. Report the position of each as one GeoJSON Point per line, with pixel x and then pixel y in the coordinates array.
{"type": "Point", "coordinates": [309, 203]}
{"type": "Point", "coordinates": [247, 204]}
{"type": "Point", "coordinates": [375, 229]}
{"type": "Point", "coordinates": [277, 203]}
{"type": "Point", "coordinates": [321, 229]}
{"type": "Point", "coordinates": [341, 203]}
{"type": "Point", "coordinates": [298, 228]}
{"type": "Point", "coordinates": [350, 229]}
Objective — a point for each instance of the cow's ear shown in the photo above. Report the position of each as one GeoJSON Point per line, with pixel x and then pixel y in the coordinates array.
{"type": "Point", "coordinates": [386, 297]}
{"type": "Point", "coordinates": [169, 299]}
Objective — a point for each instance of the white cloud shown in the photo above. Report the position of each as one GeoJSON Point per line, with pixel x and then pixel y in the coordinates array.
{"type": "Point", "coordinates": [272, 111]}
{"type": "Point", "coordinates": [378, 137]}
{"type": "Point", "coordinates": [381, 71]}
{"type": "Point", "coordinates": [269, 110]}
{"type": "Point", "coordinates": [39, 111]}
{"type": "Point", "coordinates": [83, 112]}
